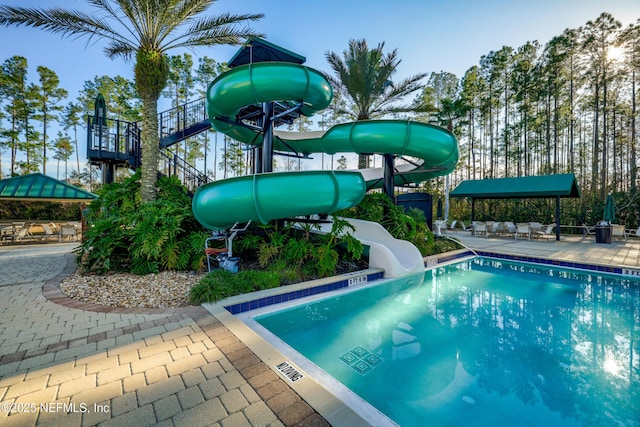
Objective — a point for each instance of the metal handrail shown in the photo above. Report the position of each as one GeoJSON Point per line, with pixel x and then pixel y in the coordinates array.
{"type": "Point", "coordinates": [174, 165]}
{"type": "Point", "coordinates": [118, 140]}
{"type": "Point", "coordinates": [178, 119]}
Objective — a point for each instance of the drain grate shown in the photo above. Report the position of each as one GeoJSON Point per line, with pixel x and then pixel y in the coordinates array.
{"type": "Point", "coordinates": [361, 360]}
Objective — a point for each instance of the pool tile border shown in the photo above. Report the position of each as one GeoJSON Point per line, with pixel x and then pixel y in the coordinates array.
{"type": "Point", "coordinates": [556, 263]}
{"type": "Point", "coordinates": [343, 282]}
{"type": "Point", "coordinates": [346, 280]}
{"type": "Point", "coordinates": [600, 268]}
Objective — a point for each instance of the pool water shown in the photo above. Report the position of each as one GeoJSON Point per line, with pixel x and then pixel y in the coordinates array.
{"type": "Point", "coordinates": [481, 343]}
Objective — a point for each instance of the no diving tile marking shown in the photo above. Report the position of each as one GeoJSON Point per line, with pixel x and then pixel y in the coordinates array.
{"type": "Point", "coordinates": [289, 371]}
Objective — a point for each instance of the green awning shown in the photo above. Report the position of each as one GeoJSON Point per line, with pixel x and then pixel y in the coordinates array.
{"type": "Point", "coordinates": [43, 188]}
{"type": "Point", "coordinates": [545, 186]}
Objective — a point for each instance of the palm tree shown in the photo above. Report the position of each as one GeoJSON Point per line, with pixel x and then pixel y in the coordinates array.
{"type": "Point", "coordinates": [363, 80]}
{"type": "Point", "coordinates": [142, 30]}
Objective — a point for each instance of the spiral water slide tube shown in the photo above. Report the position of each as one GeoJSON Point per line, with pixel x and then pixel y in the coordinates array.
{"type": "Point", "coordinates": [268, 196]}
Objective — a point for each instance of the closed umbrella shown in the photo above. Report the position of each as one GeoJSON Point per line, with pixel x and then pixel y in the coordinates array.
{"type": "Point", "coordinates": [439, 209]}
{"type": "Point", "coordinates": [609, 209]}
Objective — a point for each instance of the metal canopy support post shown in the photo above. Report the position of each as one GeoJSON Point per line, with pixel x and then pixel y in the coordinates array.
{"type": "Point", "coordinates": [389, 176]}
{"type": "Point", "coordinates": [473, 209]}
{"type": "Point", "coordinates": [558, 218]}
{"type": "Point", "coordinates": [267, 139]}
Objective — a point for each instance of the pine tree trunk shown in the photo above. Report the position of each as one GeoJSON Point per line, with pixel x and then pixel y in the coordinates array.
{"type": "Point", "coordinates": [633, 167]}
{"type": "Point", "coordinates": [363, 161]}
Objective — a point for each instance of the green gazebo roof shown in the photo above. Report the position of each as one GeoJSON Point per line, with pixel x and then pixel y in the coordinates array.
{"type": "Point", "coordinates": [40, 187]}
{"type": "Point", "coordinates": [562, 185]}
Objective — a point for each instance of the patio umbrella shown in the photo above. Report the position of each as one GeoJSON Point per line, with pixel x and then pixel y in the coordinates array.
{"type": "Point", "coordinates": [439, 209]}
{"type": "Point", "coordinates": [609, 209]}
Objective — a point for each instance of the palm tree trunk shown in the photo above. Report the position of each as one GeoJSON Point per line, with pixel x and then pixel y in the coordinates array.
{"type": "Point", "coordinates": [149, 142]}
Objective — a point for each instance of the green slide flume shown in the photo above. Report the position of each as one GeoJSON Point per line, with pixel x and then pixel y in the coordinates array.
{"type": "Point", "coordinates": [268, 196]}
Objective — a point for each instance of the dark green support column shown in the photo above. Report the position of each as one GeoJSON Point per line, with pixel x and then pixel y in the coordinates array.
{"type": "Point", "coordinates": [557, 217]}
{"type": "Point", "coordinates": [388, 181]}
{"type": "Point", "coordinates": [267, 139]}
{"type": "Point", "coordinates": [473, 209]}
{"type": "Point", "coordinates": [108, 172]}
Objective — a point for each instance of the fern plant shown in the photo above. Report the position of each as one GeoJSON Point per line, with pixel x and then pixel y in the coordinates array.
{"type": "Point", "coordinates": [125, 234]}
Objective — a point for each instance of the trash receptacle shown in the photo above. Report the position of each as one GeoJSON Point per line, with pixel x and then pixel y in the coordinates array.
{"type": "Point", "coordinates": [603, 233]}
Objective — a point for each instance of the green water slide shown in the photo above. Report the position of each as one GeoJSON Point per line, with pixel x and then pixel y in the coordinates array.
{"type": "Point", "coordinates": [268, 196]}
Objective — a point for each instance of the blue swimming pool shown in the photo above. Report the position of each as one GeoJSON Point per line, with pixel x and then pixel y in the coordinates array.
{"type": "Point", "coordinates": [481, 342]}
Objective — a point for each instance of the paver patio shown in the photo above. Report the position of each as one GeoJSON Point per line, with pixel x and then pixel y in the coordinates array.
{"type": "Point", "coordinates": [63, 362]}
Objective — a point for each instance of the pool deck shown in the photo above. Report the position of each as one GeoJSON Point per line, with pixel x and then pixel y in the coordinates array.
{"type": "Point", "coordinates": [568, 248]}
{"type": "Point", "coordinates": [68, 363]}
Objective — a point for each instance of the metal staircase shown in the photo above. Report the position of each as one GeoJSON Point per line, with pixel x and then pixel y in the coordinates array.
{"type": "Point", "coordinates": [170, 164]}
{"type": "Point", "coordinates": [112, 143]}
{"type": "Point", "coordinates": [115, 143]}
{"type": "Point", "coordinates": [182, 122]}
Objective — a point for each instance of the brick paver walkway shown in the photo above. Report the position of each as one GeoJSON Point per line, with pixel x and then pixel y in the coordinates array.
{"type": "Point", "coordinates": [68, 363]}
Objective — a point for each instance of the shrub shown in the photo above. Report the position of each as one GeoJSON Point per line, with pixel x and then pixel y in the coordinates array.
{"type": "Point", "coordinates": [220, 284]}
{"type": "Point", "coordinates": [411, 226]}
{"type": "Point", "coordinates": [124, 234]}
{"type": "Point", "coordinates": [212, 287]}
{"type": "Point", "coordinates": [299, 251]}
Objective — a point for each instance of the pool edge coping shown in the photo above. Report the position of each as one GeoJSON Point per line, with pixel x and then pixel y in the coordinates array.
{"type": "Point", "coordinates": [321, 399]}
{"type": "Point", "coordinates": [331, 408]}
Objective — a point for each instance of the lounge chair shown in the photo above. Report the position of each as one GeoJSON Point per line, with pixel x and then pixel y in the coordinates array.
{"type": "Point", "coordinates": [588, 230]}
{"type": "Point", "coordinates": [20, 233]}
{"type": "Point", "coordinates": [466, 227]}
{"type": "Point", "coordinates": [535, 226]}
{"type": "Point", "coordinates": [495, 228]}
{"type": "Point", "coordinates": [546, 232]}
{"type": "Point", "coordinates": [67, 232]}
{"type": "Point", "coordinates": [490, 225]}
{"type": "Point", "coordinates": [49, 231]}
{"type": "Point", "coordinates": [439, 227]}
{"type": "Point", "coordinates": [522, 229]}
{"type": "Point", "coordinates": [5, 230]}
{"type": "Point", "coordinates": [480, 228]}
{"type": "Point", "coordinates": [452, 226]}
{"type": "Point", "coordinates": [633, 233]}
{"type": "Point", "coordinates": [508, 228]}
{"type": "Point", "coordinates": [617, 231]}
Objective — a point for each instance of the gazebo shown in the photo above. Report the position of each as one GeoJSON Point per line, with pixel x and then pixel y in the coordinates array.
{"type": "Point", "coordinates": [526, 187]}
{"type": "Point", "coordinates": [42, 188]}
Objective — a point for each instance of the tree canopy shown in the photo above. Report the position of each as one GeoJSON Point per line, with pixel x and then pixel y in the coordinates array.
{"type": "Point", "coordinates": [363, 82]}
{"type": "Point", "coordinates": [142, 31]}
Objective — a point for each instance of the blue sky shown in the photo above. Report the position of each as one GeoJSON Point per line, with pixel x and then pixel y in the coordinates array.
{"type": "Point", "coordinates": [430, 35]}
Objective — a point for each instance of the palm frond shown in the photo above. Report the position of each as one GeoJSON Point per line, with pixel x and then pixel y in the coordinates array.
{"type": "Point", "coordinates": [363, 77]}
{"type": "Point", "coordinates": [398, 91]}
{"type": "Point", "coordinates": [222, 29]}
{"type": "Point", "coordinates": [59, 21]}
{"type": "Point", "coordinates": [128, 8]}
{"type": "Point", "coordinates": [115, 48]}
